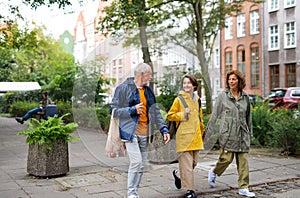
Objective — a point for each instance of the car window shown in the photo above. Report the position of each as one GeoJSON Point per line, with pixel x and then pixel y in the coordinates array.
{"type": "Point", "coordinates": [295, 93]}
{"type": "Point", "coordinates": [280, 93]}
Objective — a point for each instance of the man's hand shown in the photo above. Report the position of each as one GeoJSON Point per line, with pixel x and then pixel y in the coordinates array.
{"type": "Point", "coordinates": [139, 108]}
{"type": "Point", "coordinates": [167, 138]}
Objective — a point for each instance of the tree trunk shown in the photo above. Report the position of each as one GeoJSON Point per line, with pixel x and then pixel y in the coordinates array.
{"type": "Point", "coordinates": [144, 40]}
{"type": "Point", "coordinates": [201, 55]}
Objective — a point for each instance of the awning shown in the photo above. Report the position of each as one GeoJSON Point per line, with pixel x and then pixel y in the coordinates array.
{"type": "Point", "coordinates": [18, 86]}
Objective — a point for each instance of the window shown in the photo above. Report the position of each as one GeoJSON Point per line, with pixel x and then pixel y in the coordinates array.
{"type": "Point", "coordinates": [273, 5]}
{"type": "Point", "coordinates": [254, 22]}
{"type": "Point", "coordinates": [295, 93]}
{"type": "Point", "coordinates": [273, 37]}
{"type": "Point", "coordinates": [217, 58]}
{"type": "Point", "coordinates": [274, 76]}
{"type": "Point", "coordinates": [290, 35]}
{"type": "Point", "coordinates": [241, 61]}
{"type": "Point", "coordinates": [289, 3]}
{"type": "Point", "coordinates": [228, 61]}
{"type": "Point", "coordinates": [290, 70]}
{"type": "Point", "coordinates": [255, 67]}
{"type": "Point", "coordinates": [228, 28]}
{"type": "Point", "coordinates": [120, 61]}
{"type": "Point", "coordinates": [240, 25]}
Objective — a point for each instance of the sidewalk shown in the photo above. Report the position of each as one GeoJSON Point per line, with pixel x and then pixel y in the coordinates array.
{"type": "Point", "coordinates": [92, 174]}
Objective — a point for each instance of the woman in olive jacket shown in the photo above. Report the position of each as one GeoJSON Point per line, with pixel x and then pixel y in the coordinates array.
{"type": "Point", "coordinates": [233, 109]}
{"type": "Point", "coordinates": [189, 133]}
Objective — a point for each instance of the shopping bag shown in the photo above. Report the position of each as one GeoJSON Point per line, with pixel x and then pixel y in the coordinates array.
{"type": "Point", "coordinates": [114, 146]}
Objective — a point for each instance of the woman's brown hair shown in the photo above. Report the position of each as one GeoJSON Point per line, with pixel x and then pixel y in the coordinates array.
{"type": "Point", "coordinates": [192, 79]}
{"type": "Point", "coordinates": [240, 76]}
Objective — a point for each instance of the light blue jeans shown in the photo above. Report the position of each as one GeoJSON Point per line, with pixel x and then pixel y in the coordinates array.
{"type": "Point", "coordinates": [137, 153]}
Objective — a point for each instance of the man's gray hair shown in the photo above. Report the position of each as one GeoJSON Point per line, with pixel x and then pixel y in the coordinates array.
{"type": "Point", "coordinates": [141, 67]}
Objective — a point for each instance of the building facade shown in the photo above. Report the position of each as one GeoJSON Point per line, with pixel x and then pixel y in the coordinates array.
{"type": "Point", "coordinates": [241, 46]}
{"type": "Point", "coordinates": [281, 44]}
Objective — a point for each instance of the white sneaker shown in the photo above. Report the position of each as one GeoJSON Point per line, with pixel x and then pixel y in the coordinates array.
{"type": "Point", "coordinates": [245, 192]}
{"type": "Point", "coordinates": [212, 178]}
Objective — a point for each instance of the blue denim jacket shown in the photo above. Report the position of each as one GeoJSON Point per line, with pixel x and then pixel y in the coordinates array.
{"type": "Point", "coordinates": [125, 98]}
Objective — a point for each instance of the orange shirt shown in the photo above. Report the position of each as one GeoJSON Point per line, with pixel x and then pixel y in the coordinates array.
{"type": "Point", "coordinates": [142, 128]}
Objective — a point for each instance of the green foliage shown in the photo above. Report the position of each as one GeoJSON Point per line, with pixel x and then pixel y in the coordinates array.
{"type": "Point", "coordinates": [45, 131]}
{"type": "Point", "coordinates": [19, 108]}
{"type": "Point", "coordinates": [103, 115]}
{"type": "Point", "coordinates": [286, 131]}
{"type": "Point", "coordinates": [263, 123]}
{"type": "Point", "coordinates": [89, 86]}
{"type": "Point", "coordinates": [276, 128]}
{"type": "Point", "coordinates": [28, 55]}
{"type": "Point", "coordinates": [169, 86]}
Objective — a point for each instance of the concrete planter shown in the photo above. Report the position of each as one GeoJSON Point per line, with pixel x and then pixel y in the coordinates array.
{"type": "Point", "coordinates": [47, 163]}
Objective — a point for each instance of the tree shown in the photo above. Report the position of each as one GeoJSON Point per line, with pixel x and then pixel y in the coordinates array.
{"type": "Point", "coordinates": [28, 55]}
{"type": "Point", "coordinates": [13, 7]}
{"type": "Point", "coordinates": [204, 19]}
{"type": "Point", "coordinates": [126, 17]}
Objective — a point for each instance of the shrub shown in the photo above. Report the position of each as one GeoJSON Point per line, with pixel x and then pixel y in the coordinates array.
{"type": "Point", "coordinates": [18, 109]}
{"type": "Point", "coordinates": [103, 115]}
{"type": "Point", "coordinates": [45, 131]}
{"type": "Point", "coordinates": [286, 131]}
{"type": "Point", "coordinates": [263, 123]}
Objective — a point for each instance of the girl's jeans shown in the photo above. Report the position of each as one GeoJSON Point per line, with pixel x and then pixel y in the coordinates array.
{"type": "Point", "coordinates": [137, 153]}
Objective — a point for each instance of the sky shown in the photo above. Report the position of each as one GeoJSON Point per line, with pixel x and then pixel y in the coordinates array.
{"type": "Point", "coordinates": [55, 20]}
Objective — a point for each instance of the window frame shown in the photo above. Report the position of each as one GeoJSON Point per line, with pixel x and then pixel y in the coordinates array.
{"type": "Point", "coordinates": [241, 25]}
{"type": "Point", "coordinates": [217, 58]}
{"type": "Point", "coordinates": [290, 77]}
{"type": "Point", "coordinates": [288, 33]}
{"type": "Point", "coordinates": [228, 61]}
{"type": "Point", "coordinates": [228, 33]}
{"type": "Point", "coordinates": [255, 67]}
{"type": "Point", "coordinates": [289, 4]}
{"type": "Point", "coordinates": [241, 60]}
{"type": "Point", "coordinates": [274, 77]}
{"type": "Point", "coordinates": [254, 22]}
{"type": "Point", "coordinates": [273, 36]}
{"type": "Point", "coordinates": [273, 5]}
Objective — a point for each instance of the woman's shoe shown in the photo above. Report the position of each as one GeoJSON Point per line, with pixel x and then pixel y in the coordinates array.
{"type": "Point", "coordinates": [246, 192]}
{"type": "Point", "coordinates": [177, 179]}
{"type": "Point", "coordinates": [190, 194]}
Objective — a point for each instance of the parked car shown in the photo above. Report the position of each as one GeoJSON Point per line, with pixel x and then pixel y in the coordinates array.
{"type": "Point", "coordinates": [284, 97]}
{"type": "Point", "coordinates": [255, 99]}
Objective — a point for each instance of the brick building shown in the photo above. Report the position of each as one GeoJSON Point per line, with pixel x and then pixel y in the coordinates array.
{"type": "Point", "coordinates": [241, 46]}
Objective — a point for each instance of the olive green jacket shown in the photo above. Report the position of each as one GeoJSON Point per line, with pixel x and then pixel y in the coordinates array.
{"type": "Point", "coordinates": [234, 121]}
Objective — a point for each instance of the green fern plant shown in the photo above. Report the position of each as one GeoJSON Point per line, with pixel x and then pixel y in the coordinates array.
{"type": "Point", "coordinates": [46, 131]}
{"type": "Point", "coordinates": [263, 123]}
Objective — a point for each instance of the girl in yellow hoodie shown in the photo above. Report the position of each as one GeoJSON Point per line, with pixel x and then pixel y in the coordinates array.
{"type": "Point", "coordinates": [188, 135]}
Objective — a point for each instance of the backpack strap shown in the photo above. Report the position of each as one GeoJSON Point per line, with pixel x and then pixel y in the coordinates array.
{"type": "Point", "coordinates": [200, 106]}
{"type": "Point", "coordinates": [183, 101]}
{"type": "Point", "coordinates": [184, 104]}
